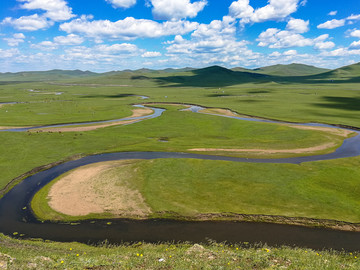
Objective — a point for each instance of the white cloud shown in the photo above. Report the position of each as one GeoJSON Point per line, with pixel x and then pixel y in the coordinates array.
{"type": "Point", "coordinates": [127, 29]}
{"type": "Point", "coordinates": [56, 10]}
{"type": "Point", "coordinates": [45, 46]}
{"type": "Point", "coordinates": [355, 45]}
{"type": "Point", "coordinates": [298, 26]}
{"type": "Point", "coordinates": [355, 33]}
{"type": "Point", "coordinates": [102, 55]}
{"type": "Point", "coordinates": [176, 9]}
{"type": "Point", "coordinates": [68, 40]}
{"type": "Point", "coordinates": [211, 44]}
{"type": "Point", "coordinates": [341, 52]}
{"type": "Point", "coordinates": [28, 23]}
{"type": "Point", "coordinates": [122, 3]}
{"type": "Point", "coordinates": [58, 41]}
{"type": "Point", "coordinates": [353, 17]}
{"type": "Point", "coordinates": [324, 45]}
{"type": "Point", "coordinates": [290, 53]}
{"type": "Point", "coordinates": [274, 10]}
{"type": "Point", "coordinates": [8, 53]}
{"type": "Point", "coordinates": [117, 48]}
{"type": "Point", "coordinates": [338, 23]}
{"type": "Point", "coordinates": [15, 39]}
{"type": "Point", "coordinates": [151, 54]}
{"type": "Point", "coordinates": [275, 38]}
{"type": "Point", "coordinates": [332, 24]}
{"type": "Point", "coordinates": [332, 13]}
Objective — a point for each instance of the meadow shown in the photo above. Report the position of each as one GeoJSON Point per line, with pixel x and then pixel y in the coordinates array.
{"type": "Point", "coordinates": [189, 188]}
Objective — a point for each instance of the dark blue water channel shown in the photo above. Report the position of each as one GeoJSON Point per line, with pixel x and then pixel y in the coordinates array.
{"type": "Point", "coordinates": [16, 215]}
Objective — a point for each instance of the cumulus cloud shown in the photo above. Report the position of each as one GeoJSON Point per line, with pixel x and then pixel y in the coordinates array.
{"type": "Point", "coordinates": [332, 24]}
{"type": "Point", "coordinates": [338, 23]}
{"type": "Point", "coordinates": [151, 54]}
{"type": "Point", "coordinates": [101, 54]}
{"type": "Point", "coordinates": [324, 45]}
{"type": "Point", "coordinates": [353, 17]}
{"type": "Point", "coordinates": [210, 44]}
{"type": "Point", "coordinates": [341, 52]}
{"type": "Point", "coordinates": [355, 33]}
{"type": "Point", "coordinates": [176, 9]}
{"type": "Point", "coordinates": [9, 53]}
{"type": "Point", "coordinates": [275, 38]}
{"type": "Point", "coordinates": [274, 10]}
{"type": "Point", "coordinates": [355, 45]}
{"type": "Point", "coordinates": [28, 23]}
{"type": "Point", "coordinates": [15, 39]}
{"type": "Point", "coordinates": [69, 40]}
{"type": "Point", "coordinates": [122, 3]}
{"type": "Point", "coordinates": [58, 41]}
{"type": "Point", "coordinates": [332, 13]}
{"type": "Point", "coordinates": [127, 29]}
{"type": "Point", "coordinates": [45, 46]}
{"type": "Point", "coordinates": [298, 26]}
{"type": "Point", "coordinates": [56, 10]}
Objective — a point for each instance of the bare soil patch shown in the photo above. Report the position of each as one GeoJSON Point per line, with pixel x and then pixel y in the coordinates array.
{"type": "Point", "coordinates": [268, 151]}
{"type": "Point", "coordinates": [4, 127]}
{"type": "Point", "coordinates": [141, 112]}
{"type": "Point", "coordinates": [336, 131]}
{"type": "Point", "coordinates": [135, 113]}
{"type": "Point", "coordinates": [96, 188]}
{"type": "Point", "coordinates": [219, 112]}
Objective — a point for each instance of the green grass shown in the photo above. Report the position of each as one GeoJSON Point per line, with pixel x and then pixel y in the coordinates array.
{"type": "Point", "coordinates": [187, 188]}
{"type": "Point", "coordinates": [26, 254]}
{"type": "Point", "coordinates": [321, 189]}
{"type": "Point", "coordinates": [20, 152]}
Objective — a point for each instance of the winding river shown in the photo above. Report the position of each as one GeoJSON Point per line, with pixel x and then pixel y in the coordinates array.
{"type": "Point", "coordinates": [16, 215]}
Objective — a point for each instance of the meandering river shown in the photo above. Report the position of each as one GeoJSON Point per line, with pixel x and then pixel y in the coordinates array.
{"type": "Point", "coordinates": [16, 215]}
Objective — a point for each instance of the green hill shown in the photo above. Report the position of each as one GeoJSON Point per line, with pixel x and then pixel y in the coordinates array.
{"type": "Point", "coordinates": [50, 75]}
{"type": "Point", "coordinates": [349, 73]}
{"type": "Point", "coordinates": [214, 76]}
{"type": "Point", "coordinates": [290, 70]}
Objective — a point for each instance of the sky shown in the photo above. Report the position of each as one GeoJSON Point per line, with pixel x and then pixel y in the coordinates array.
{"type": "Point", "coordinates": [105, 35]}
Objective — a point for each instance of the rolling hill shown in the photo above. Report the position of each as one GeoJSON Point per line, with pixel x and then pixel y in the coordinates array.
{"type": "Point", "coordinates": [55, 74]}
{"type": "Point", "coordinates": [290, 70]}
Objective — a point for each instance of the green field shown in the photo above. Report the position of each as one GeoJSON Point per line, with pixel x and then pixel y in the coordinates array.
{"type": "Point", "coordinates": [177, 188]}
{"type": "Point", "coordinates": [187, 188]}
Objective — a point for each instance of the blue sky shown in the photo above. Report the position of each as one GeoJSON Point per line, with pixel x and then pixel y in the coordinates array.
{"type": "Point", "coordinates": [104, 35]}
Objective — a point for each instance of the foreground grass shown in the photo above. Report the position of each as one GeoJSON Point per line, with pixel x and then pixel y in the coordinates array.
{"type": "Point", "coordinates": [189, 188]}
{"type": "Point", "coordinates": [31, 254]}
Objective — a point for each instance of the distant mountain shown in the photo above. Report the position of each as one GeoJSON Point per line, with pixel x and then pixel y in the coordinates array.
{"type": "Point", "coordinates": [290, 70]}
{"type": "Point", "coordinates": [50, 75]}
{"type": "Point", "coordinates": [351, 72]}
{"type": "Point", "coordinates": [214, 76]}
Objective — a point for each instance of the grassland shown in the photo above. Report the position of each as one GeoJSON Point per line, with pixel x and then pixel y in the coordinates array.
{"type": "Point", "coordinates": [23, 151]}
{"type": "Point", "coordinates": [176, 188]}
{"type": "Point", "coordinates": [327, 189]}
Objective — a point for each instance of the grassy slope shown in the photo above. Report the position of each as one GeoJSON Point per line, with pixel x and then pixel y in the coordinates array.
{"type": "Point", "coordinates": [23, 254]}
{"type": "Point", "coordinates": [290, 70]}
